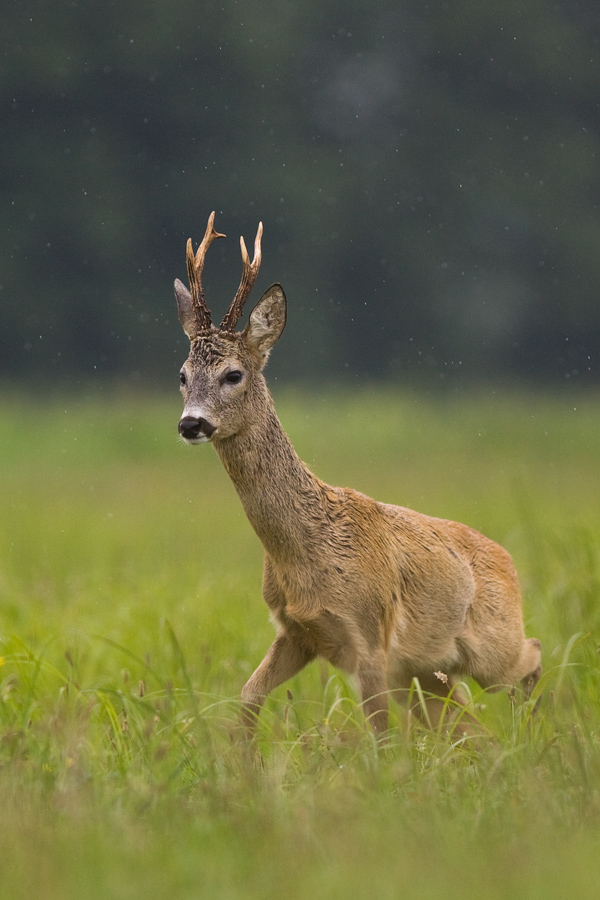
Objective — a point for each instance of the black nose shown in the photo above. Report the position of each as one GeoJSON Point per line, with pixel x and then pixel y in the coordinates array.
{"type": "Point", "coordinates": [191, 427]}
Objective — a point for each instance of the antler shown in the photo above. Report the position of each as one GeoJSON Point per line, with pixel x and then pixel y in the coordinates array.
{"type": "Point", "coordinates": [246, 284]}
{"type": "Point", "coordinates": [195, 264]}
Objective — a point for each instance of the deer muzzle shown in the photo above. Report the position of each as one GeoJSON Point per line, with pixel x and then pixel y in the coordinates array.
{"type": "Point", "coordinates": [195, 429]}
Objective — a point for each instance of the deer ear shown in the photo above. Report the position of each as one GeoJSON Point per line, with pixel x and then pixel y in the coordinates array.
{"type": "Point", "coordinates": [185, 308]}
{"type": "Point", "coordinates": [266, 322]}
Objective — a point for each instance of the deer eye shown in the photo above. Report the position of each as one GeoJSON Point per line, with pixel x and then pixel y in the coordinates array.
{"type": "Point", "coordinates": [233, 377]}
{"type": "Point", "coordinates": [182, 378]}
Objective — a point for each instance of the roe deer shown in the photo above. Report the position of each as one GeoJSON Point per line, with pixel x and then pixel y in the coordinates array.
{"type": "Point", "coordinates": [380, 591]}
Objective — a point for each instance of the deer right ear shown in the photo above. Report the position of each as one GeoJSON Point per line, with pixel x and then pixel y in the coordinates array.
{"type": "Point", "coordinates": [266, 322]}
{"type": "Point", "coordinates": [185, 308]}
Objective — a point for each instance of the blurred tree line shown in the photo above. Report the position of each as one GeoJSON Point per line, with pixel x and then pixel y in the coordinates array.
{"type": "Point", "coordinates": [427, 174]}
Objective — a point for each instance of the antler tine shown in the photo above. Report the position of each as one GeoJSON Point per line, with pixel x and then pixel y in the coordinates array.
{"type": "Point", "coordinates": [195, 264]}
{"type": "Point", "coordinates": [246, 284]}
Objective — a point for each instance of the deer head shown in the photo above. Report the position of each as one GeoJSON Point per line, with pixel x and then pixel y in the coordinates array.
{"type": "Point", "coordinates": [222, 374]}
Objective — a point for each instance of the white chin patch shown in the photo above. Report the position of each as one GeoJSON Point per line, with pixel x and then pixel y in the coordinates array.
{"type": "Point", "coordinates": [201, 439]}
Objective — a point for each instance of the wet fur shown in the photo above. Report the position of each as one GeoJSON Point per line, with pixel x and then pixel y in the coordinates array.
{"type": "Point", "coordinates": [382, 592]}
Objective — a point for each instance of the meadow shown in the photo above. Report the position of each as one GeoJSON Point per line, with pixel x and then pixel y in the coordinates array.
{"type": "Point", "coordinates": [131, 615]}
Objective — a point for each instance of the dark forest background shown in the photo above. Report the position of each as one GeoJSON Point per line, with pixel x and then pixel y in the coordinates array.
{"type": "Point", "coordinates": [427, 174]}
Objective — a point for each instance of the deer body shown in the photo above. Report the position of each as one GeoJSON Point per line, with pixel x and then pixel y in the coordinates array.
{"type": "Point", "coordinates": [383, 592]}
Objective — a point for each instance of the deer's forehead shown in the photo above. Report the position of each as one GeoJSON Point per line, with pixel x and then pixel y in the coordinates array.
{"type": "Point", "coordinates": [213, 352]}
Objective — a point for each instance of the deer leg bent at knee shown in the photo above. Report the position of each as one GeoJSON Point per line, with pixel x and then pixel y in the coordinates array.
{"type": "Point", "coordinates": [284, 659]}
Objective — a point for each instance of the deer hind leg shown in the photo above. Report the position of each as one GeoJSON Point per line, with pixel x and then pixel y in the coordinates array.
{"type": "Point", "coordinates": [443, 704]}
{"type": "Point", "coordinates": [529, 667]}
{"type": "Point", "coordinates": [439, 705]}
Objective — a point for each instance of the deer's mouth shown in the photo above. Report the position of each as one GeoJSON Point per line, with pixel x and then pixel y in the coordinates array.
{"type": "Point", "coordinates": [196, 429]}
{"type": "Point", "coordinates": [199, 440]}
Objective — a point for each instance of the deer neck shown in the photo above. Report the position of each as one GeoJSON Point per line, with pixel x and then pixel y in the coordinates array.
{"type": "Point", "coordinates": [274, 485]}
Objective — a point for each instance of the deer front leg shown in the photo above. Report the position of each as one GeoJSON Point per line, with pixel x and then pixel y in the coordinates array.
{"type": "Point", "coordinates": [372, 679]}
{"type": "Point", "coordinates": [284, 659]}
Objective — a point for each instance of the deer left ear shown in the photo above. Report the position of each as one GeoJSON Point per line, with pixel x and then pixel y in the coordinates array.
{"type": "Point", "coordinates": [185, 308]}
{"type": "Point", "coordinates": [266, 322]}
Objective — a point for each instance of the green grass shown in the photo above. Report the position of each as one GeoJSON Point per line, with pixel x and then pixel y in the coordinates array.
{"type": "Point", "coordinates": [130, 617]}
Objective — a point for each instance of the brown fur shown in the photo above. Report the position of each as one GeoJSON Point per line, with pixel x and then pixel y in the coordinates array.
{"type": "Point", "coordinates": [382, 592]}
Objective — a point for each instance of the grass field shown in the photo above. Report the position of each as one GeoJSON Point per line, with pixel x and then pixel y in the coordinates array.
{"type": "Point", "coordinates": [131, 615]}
